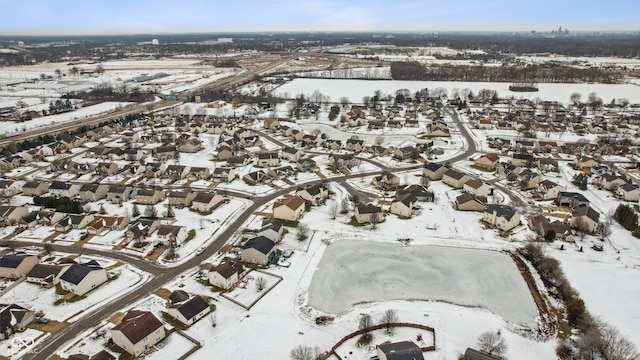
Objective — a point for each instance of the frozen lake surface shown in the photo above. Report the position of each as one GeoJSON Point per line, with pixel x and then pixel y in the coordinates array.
{"type": "Point", "coordinates": [353, 272]}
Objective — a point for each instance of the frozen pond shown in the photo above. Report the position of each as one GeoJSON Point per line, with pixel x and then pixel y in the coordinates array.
{"type": "Point", "coordinates": [353, 272]}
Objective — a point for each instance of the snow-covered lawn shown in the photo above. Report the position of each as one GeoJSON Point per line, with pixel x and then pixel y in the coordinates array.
{"type": "Point", "coordinates": [248, 293]}
{"type": "Point", "coordinates": [22, 340]}
{"type": "Point", "coordinates": [41, 299]}
{"type": "Point", "coordinates": [172, 347]}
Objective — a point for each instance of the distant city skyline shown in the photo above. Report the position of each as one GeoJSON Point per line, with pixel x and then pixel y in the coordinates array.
{"type": "Point", "coordinates": [97, 17]}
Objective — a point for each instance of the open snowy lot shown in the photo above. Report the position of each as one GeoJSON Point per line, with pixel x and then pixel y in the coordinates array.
{"type": "Point", "coordinates": [355, 272]}
{"type": "Point", "coordinates": [355, 90]}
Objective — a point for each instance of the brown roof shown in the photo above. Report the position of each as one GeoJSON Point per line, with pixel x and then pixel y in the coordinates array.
{"type": "Point", "coordinates": [474, 183]}
{"type": "Point", "coordinates": [226, 269]}
{"type": "Point", "coordinates": [292, 202]}
{"type": "Point", "coordinates": [493, 157]}
{"type": "Point", "coordinates": [136, 325]}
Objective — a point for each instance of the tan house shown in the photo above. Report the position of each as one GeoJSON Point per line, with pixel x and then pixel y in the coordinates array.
{"type": "Point", "coordinates": [106, 223]}
{"type": "Point", "coordinates": [149, 196]}
{"type": "Point", "coordinates": [93, 192]}
{"type": "Point", "coordinates": [190, 310]}
{"type": "Point", "coordinates": [138, 332]}
{"type": "Point", "coordinates": [192, 145]}
{"type": "Point", "coordinates": [74, 221]}
{"type": "Point", "coordinates": [46, 274]}
{"type": "Point", "coordinates": [368, 213]}
{"type": "Point", "coordinates": [434, 171]}
{"type": "Point", "coordinates": [226, 274]}
{"type": "Point", "coordinates": [205, 202]}
{"type": "Point", "coordinates": [14, 266]}
{"type": "Point", "coordinates": [223, 175]}
{"type": "Point", "coordinates": [270, 158]}
{"type": "Point", "coordinates": [198, 173]}
{"type": "Point", "coordinates": [181, 198]}
{"type": "Point", "coordinates": [314, 194]}
{"type": "Point", "coordinates": [11, 215]}
{"type": "Point", "coordinates": [291, 208]}
{"type": "Point", "coordinates": [487, 161]}
{"type": "Point", "coordinates": [34, 188]}
{"type": "Point", "coordinates": [386, 181]}
{"type": "Point", "coordinates": [468, 202]}
{"type": "Point", "coordinates": [258, 250]}
{"type": "Point", "coordinates": [584, 218]}
{"type": "Point", "coordinates": [82, 278]}
{"type": "Point", "coordinates": [454, 178]}
{"type": "Point", "coordinates": [585, 162]}
{"type": "Point", "coordinates": [548, 190]}
{"type": "Point", "coordinates": [405, 205]}
{"type": "Point", "coordinates": [502, 217]}
{"type": "Point", "coordinates": [477, 187]}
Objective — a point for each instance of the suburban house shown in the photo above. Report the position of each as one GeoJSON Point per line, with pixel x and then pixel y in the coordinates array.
{"type": "Point", "coordinates": [405, 205]}
{"type": "Point", "coordinates": [528, 178]}
{"type": "Point", "coordinates": [74, 221]}
{"type": "Point", "coordinates": [14, 266]}
{"type": "Point", "coordinates": [502, 217]}
{"type": "Point", "coordinates": [205, 202]}
{"type": "Point", "coordinates": [46, 274]}
{"type": "Point", "coordinates": [291, 208]}
{"type": "Point", "coordinates": [571, 199]}
{"type": "Point", "coordinates": [405, 153]}
{"type": "Point", "coordinates": [82, 278]}
{"type": "Point", "coordinates": [281, 172]}
{"type": "Point", "coordinates": [629, 192]}
{"type": "Point", "coordinates": [14, 318]}
{"type": "Point", "coordinates": [354, 145]}
{"type": "Point", "coordinates": [420, 192]}
{"type": "Point", "coordinates": [584, 218]}
{"type": "Point", "coordinates": [198, 173]}
{"type": "Point", "coordinates": [291, 154]}
{"type": "Point", "coordinates": [181, 198]}
{"type": "Point", "coordinates": [192, 145]}
{"type": "Point", "coordinates": [149, 196]}
{"type": "Point", "coordinates": [434, 171]}
{"type": "Point", "coordinates": [609, 181]}
{"type": "Point", "coordinates": [487, 161]}
{"type": "Point", "coordinates": [119, 193]}
{"type": "Point", "coordinates": [47, 217]}
{"type": "Point", "coordinates": [63, 189]}
{"type": "Point", "coordinates": [142, 228]}
{"type": "Point", "coordinates": [520, 159]}
{"type": "Point", "coordinates": [472, 354]}
{"type": "Point", "coordinates": [548, 190]}
{"type": "Point", "coordinates": [175, 172]}
{"type": "Point", "coordinates": [272, 229]}
{"type": "Point", "coordinates": [224, 152]}
{"type": "Point", "coordinates": [477, 187]}
{"type": "Point", "coordinates": [337, 161]}
{"type": "Point", "coordinates": [10, 215]}
{"type": "Point", "coordinates": [368, 213]}
{"type": "Point", "coordinates": [190, 310]}
{"type": "Point", "coordinates": [226, 274]}
{"type": "Point", "coordinates": [468, 202]}
{"type": "Point", "coordinates": [256, 177]}
{"type": "Point", "coordinates": [314, 194]}
{"type": "Point", "coordinates": [172, 234]}
{"type": "Point", "coordinates": [240, 160]}
{"type": "Point", "coordinates": [585, 163]}
{"type": "Point", "coordinates": [386, 181]}
{"type": "Point", "coordinates": [258, 250]}
{"type": "Point", "coordinates": [454, 178]}
{"type": "Point", "coordinates": [106, 223]}
{"type": "Point", "coordinates": [223, 175]}
{"type": "Point", "coordinates": [403, 350]}
{"type": "Point", "coordinates": [137, 332]}
{"type": "Point", "coordinates": [35, 188]}
{"type": "Point", "coordinates": [106, 169]}
{"type": "Point", "coordinates": [93, 192]}
{"type": "Point", "coordinates": [270, 158]}
{"type": "Point", "coordinates": [541, 225]}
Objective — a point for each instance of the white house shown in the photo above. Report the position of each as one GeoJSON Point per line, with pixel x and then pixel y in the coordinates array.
{"type": "Point", "coordinates": [138, 332]}
{"type": "Point", "coordinates": [82, 278]}
{"type": "Point", "coordinates": [189, 311]}
{"type": "Point", "coordinates": [501, 216]}
{"type": "Point", "coordinates": [226, 274]}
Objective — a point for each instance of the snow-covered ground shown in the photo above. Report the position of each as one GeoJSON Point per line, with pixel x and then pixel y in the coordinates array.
{"type": "Point", "coordinates": [355, 90]}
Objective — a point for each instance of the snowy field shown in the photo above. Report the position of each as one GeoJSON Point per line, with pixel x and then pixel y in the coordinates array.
{"type": "Point", "coordinates": [356, 272]}
{"type": "Point", "coordinates": [355, 90]}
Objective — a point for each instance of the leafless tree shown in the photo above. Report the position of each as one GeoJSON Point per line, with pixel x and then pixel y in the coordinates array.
{"type": "Point", "coordinates": [151, 212]}
{"type": "Point", "coordinates": [344, 101]}
{"type": "Point", "coordinates": [388, 317]}
{"type": "Point", "coordinates": [303, 352]}
{"type": "Point", "coordinates": [492, 343]}
{"type": "Point", "coordinates": [365, 322]}
{"type": "Point", "coordinates": [379, 140]}
{"type": "Point", "coordinates": [260, 283]}
{"type": "Point", "coordinates": [615, 346]}
{"type": "Point", "coordinates": [575, 98]}
{"type": "Point", "coordinates": [605, 229]}
{"type": "Point", "coordinates": [303, 232]}
{"type": "Point", "coordinates": [344, 206]}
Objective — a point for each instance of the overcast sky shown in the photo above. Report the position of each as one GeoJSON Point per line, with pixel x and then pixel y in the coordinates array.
{"type": "Point", "coordinates": [178, 16]}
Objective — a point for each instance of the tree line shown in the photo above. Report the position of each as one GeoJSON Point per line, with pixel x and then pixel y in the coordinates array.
{"type": "Point", "coordinates": [533, 73]}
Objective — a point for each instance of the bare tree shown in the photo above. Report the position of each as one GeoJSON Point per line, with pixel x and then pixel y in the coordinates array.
{"type": "Point", "coordinates": [151, 212]}
{"type": "Point", "coordinates": [379, 140]}
{"type": "Point", "coordinates": [303, 232]}
{"type": "Point", "coordinates": [575, 98]}
{"type": "Point", "coordinates": [344, 206]}
{"type": "Point", "coordinates": [492, 343]}
{"type": "Point", "coordinates": [615, 346]}
{"type": "Point", "coordinates": [605, 229]}
{"type": "Point", "coordinates": [344, 101]}
{"type": "Point", "coordinates": [260, 283]}
{"type": "Point", "coordinates": [303, 352]}
{"type": "Point", "coordinates": [365, 322]}
{"type": "Point", "coordinates": [389, 317]}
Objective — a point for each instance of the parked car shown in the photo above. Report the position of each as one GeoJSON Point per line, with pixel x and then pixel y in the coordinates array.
{"type": "Point", "coordinates": [151, 252]}
{"type": "Point", "coordinates": [200, 250]}
{"type": "Point", "coordinates": [19, 230]}
{"type": "Point", "coordinates": [84, 236]}
{"type": "Point", "coordinates": [42, 320]}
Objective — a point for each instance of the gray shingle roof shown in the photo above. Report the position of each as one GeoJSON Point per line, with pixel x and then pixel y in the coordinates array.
{"type": "Point", "coordinates": [260, 243]}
